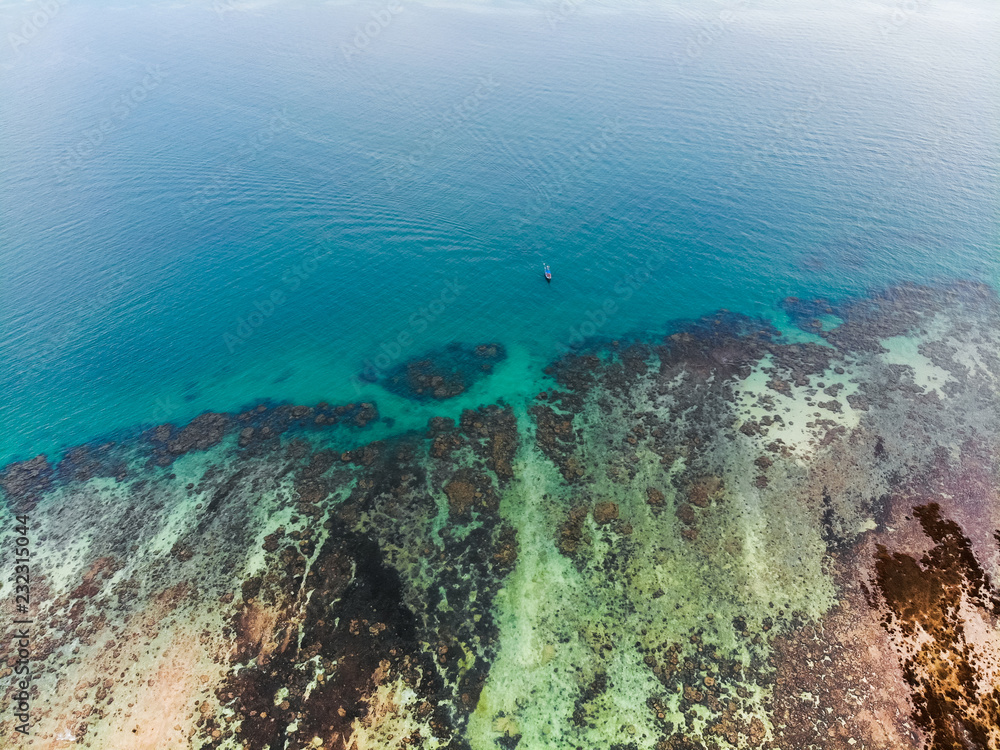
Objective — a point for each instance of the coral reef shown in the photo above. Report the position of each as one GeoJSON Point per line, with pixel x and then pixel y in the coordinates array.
{"type": "Point", "coordinates": [443, 373]}
{"type": "Point", "coordinates": [717, 539]}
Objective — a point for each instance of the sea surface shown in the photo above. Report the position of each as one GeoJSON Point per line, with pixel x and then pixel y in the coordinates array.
{"type": "Point", "coordinates": [209, 204]}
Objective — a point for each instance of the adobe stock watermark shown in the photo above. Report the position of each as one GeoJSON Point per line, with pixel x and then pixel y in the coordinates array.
{"type": "Point", "coordinates": [246, 152]}
{"type": "Point", "coordinates": [403, 168]}
{"type": "Point", "coordinates": [902, 13]}
{"type": "Point", "coordinates": [76, 156]}
{"type": "Point", "coordinates": [365, 33]}
{"type": "Point", "coordinates": [391, 349]}
{"type": "Point", "coordinates": [608, 134]}
{"type": "Point", "coordinates": [597, 317]}
{"type": "Point", "coordinates": [222, 7]}
{"type": "Point", "coordinates": [709, 33]}
{"type": "Point", "coordinates": [33, 21]}
{"type": "Point", "coordinates": [559, 12]}
{"type": "Point", "coordinates": [164, 408]}
{"type": "Point", "coordinates": [265, 307]}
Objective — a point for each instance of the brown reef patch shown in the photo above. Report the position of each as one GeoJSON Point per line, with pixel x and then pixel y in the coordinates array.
{"type": "Point", "coordinates": [930, 603]}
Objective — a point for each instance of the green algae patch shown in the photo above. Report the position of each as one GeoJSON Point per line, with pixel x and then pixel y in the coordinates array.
{"type": "Point", "coordinates": [530, 681]}
{"type": "Point", "coordinates": [611, 632]}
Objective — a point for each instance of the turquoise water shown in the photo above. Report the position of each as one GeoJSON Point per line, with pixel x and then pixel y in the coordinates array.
{"type": "Point", "coordinates": [268, 208]}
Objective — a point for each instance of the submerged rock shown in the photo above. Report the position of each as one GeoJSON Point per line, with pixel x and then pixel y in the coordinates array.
{"type": "Point", "coordinates": [606, 512]}
{"type": "Point", "coordinates": [25, 482]}
{"type": "Point", "coordinates": [443, 373]}
{"type": "Point", "coordinates": [199, 434]}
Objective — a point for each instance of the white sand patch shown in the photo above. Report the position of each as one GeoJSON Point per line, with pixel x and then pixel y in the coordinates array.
{"type": "Point", "coordinates": [903, 350]}
{"type": "Point", "coordinates": [391, 719]}
{"type": "Point", "coordinates": [148, 680]}
{"type": "Point", "coordinates": [984, 638]}
{"type": "Point", "coordinates": [797, 408]}
{"type": "Point", "coordinates": [971, 354]}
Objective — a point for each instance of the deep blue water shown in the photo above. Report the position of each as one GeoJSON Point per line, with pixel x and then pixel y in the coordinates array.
{"type": "Point", "coordinates": [252, 161]}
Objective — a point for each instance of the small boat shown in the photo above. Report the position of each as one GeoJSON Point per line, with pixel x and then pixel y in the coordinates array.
{"type": "Point", "coordinates": [548, 273]}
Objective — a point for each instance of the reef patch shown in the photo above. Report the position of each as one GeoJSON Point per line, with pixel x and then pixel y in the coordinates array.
{"type": "Point", "coordinates": [443, 373]}
{"type": "Point", "coordinates": [718, 538]}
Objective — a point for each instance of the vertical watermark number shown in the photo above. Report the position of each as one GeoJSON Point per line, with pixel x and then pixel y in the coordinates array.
{"type": "Point", "coordinates": [21, 635]}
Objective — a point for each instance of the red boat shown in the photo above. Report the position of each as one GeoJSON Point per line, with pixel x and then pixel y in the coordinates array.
{"type": "Point", "coordinates": [548, 273]}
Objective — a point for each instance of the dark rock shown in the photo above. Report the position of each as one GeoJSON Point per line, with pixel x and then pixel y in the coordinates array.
{"type": "Point", "coordinates": [199, 434]}
{"type": "Point", "coordinates": [24, 482]}
{"type": "Point", "coordinates": [443, 373]}
{"type": "Point", "coordinates": [606, 512]}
